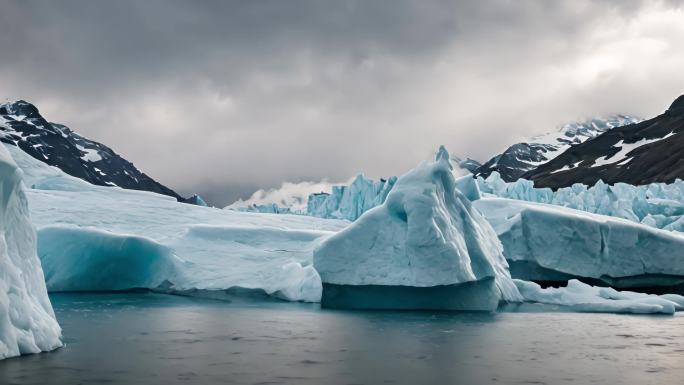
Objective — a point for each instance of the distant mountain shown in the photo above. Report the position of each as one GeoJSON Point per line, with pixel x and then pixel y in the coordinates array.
{"type": "Point", "coordinates": [467, 164]}
{"type": "Point", "coordinates": [523, 157]}
{"type": "Point", "coordinates": [641, 153]}
{"type": "Point", "coordinates": [22, 125]}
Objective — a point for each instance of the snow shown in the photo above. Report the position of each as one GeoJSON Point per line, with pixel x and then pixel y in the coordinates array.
{"type": "Point", "coordinates": [425, 234]}
{"type": "Point", "coordinates": [27, 321]}
{"type": "Point", "coordinates": [625, 149]}
{"type": "Point", "coordinates": [555, 143]}
{"type": "Point", "coordinates": [543, 242]}
{"type": "Point", "coordinates": [580, 297]}
{"type": "Point", "coordinates": [91, 155]}
{"type": "Point", "coordinates": [201, 249]}
{"type": "Point", "coordinates": [567, 167]}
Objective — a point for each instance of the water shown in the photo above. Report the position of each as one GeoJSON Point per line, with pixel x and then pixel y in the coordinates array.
{"type": "Point", "coordinates": [145, 338]}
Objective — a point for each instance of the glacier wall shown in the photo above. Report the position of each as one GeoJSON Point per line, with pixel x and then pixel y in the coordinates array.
{"type": "Point", "coordinates": [544, 242]}
{"type": "Point", "coordinates": [657, 205]}
{"type": "Point", "coordinates": [27, 321]}
{"type": "Point", "coordinates": [349, 202]}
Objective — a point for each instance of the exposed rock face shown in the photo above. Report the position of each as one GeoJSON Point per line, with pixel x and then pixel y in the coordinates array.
{"type": "Point", "coordinates": [22, 125]}
{"type": "Point", "coordinates": [642, 153]}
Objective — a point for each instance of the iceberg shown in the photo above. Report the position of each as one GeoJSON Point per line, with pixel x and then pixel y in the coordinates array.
{"type": "Point", "coordinates": [27, 320]}
{"type": "Point", "coordinates": [581, 297]}
{"type": "Point", "coordinates": [109, 238]}
{"type": "Point", "coordinates": [544, 242]}
{"type": "Point", "coordinates": [88, 259]}
{"type": "Point", "coordinates": [425, 247]}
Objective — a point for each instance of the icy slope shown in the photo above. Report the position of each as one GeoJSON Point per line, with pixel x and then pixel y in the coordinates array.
{"type": "Point", "coordinates": [199, 248]}
{"type": "Point", "coordinates": [550, 243]}
{"type": "Point", "coordinates": [27, 322]}
{"type": "Point", "coordinates": [425, 235]}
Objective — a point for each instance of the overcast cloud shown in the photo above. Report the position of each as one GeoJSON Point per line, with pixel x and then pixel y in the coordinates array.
{"type": "Point", "coordinates": [225, 97]}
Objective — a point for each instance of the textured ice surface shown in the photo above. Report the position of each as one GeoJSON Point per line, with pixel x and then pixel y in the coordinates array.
{"type": "Point", "coordinates": [657, 205]}
{"type": "Point", "coordinates": [578, 296]}
{"type": "Point", "coordinates": [581, 244]}
{"type": "Point", "coordinates": [76, 258]}
{"type": "Point", "coordinates": [199, 248]}
{"type": "Point", "coordinates": [349, 202]}
{"type": "Point", "coordinates": [425, 234]}
{"type": "Point", "coordinates": [27, 321]}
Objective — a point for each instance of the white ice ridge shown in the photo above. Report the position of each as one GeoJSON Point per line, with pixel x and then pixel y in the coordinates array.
{"type": "Point", "coordinates": [27, 321]}
{"type": "Point", "coordinates": [182, 247]}
{"type": "Point", "coordinates": [546, 242]}
{"type": "Point", "coordinates": [580, 297]}
{"type": "Point", "coordinates": [425, 234]}
{"type": "Point", "coordinates": [658, 205]}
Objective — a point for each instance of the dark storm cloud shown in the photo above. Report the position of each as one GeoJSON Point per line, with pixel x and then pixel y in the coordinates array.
{"type": "Point", "coordinates": [222, 97]}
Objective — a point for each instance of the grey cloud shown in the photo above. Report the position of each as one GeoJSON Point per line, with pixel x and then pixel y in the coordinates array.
{"type": "Point", "coordinates": [223, 97]}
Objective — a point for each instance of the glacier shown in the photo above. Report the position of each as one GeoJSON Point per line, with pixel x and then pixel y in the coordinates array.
{"type": "Point", "coordinates": [425, 247]}
{"type": "Point", "coordinates": [658, 205]}
{"type": "Point", "coordinates": [27, 320]}
{"type": "Point", "coordinates": [86, 231]}
{"type": "Point", "coordinates": [107, 238]}
{"type": "Point", "coordinates": [543, 242]}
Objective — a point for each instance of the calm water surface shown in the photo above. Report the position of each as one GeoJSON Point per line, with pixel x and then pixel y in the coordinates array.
{"type": "Point", "coordinates": [145, 338]}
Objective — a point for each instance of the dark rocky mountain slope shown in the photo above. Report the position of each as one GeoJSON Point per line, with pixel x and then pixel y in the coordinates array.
{"type": "Point", "coordinates": [641, 153]}
{"type": "Point", "coordinates": [22, 125]}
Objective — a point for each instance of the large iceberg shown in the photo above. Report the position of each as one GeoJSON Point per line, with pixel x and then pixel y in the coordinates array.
{"type": "Point", "coordinates": [544, 242]}
{"type": "Point", "coordinates": [425, 247]}
{"type": "Point", "coordinates": [108, 238]}
{"type": "Point", "coordinates": [27, 321]}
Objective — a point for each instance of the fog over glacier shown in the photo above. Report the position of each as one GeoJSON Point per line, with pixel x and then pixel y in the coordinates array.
{"type": "Point", "coordinates": [303, 91]}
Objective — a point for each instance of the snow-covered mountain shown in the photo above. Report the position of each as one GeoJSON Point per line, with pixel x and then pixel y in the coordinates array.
{"type": "Point", "coordinates": [22, 125]}
{"type": "Point", "coordinates": [641, 153]}
{"type": "Point", "coordinates": [523, 157]}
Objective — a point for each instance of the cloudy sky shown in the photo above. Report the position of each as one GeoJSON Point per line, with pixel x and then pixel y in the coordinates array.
{"type": "Point", "coordinates": [225, 97]}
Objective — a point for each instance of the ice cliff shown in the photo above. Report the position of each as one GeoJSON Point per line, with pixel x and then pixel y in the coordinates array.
{"type": "Point", "coordinates": [27, 321]}
{"type": "Point", "coordinates": [425, 247]}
